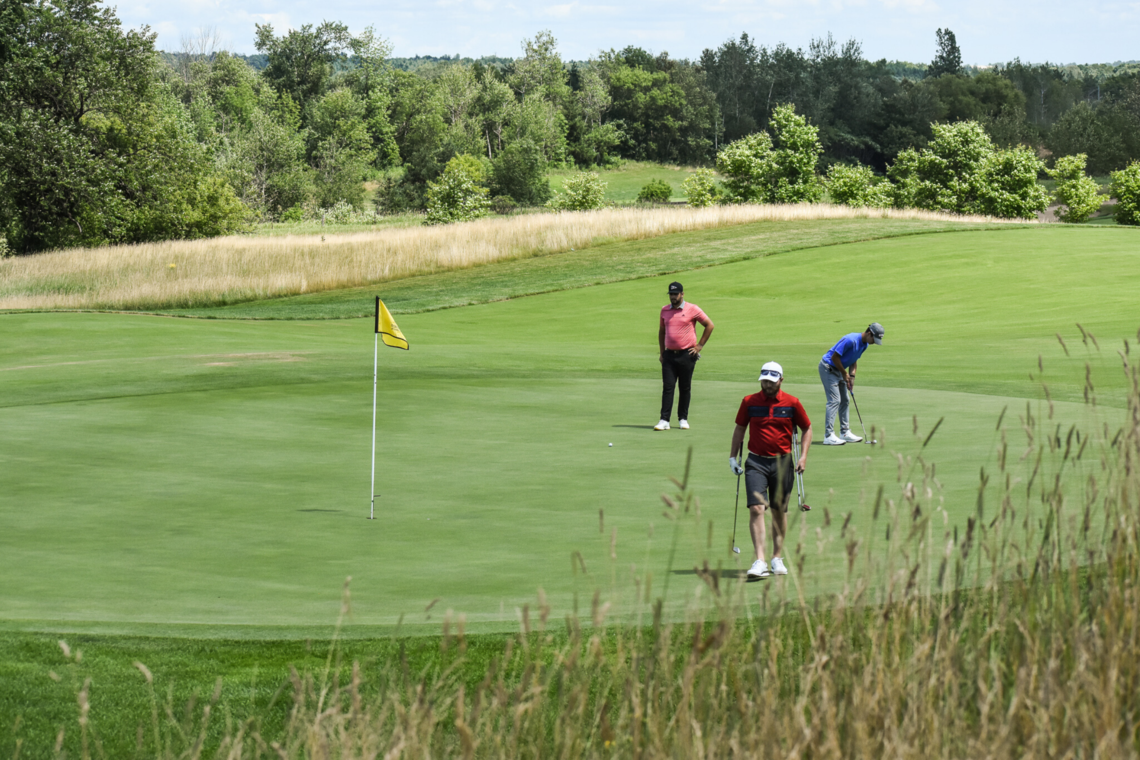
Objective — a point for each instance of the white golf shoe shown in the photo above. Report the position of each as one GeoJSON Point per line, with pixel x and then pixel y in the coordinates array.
{"type": "Point", "coordinates": [851, 437]}
{"type": "Point", "coordinates": [759, 569]}
{"type": "Point", "coordinates": [778, 566]}
{"type": "Point", "coordinates": [662, 425]}
{"type": "Point", "coordinates": [833, 440]}
{"type": "Point", "coordinates": [683, 424]}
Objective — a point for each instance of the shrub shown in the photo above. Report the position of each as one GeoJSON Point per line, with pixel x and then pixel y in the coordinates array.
{"type": "Point", "coordinates": [581, 192]}
{"type": "Point", "coordinates": [5, 251]}
{"type": "Point", "coordinates": [960, 171]}
{"type": "Point", "coordinates": [458, 195]}
{"type": "Point", "coordinates": [655, 191]}
{"type": "Point", "coordinates": [776, 168]}
{"type": "Point", "coordinates": [856, 186]}
{"type": "Point", "coordinates": [503, 205]}
{"type": "Point", "coordinates": [1076, 191]}
{"type": "Point", "coordinates": [1007, 185]}
{"type": "Point", "coordinates": [700, 188]}
{"type": "Point", "coordinates": [519, 171]}
{"type": "Point", "coordinates": [1126, 190]}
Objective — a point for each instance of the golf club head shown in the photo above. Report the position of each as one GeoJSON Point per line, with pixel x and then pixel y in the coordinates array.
{"type": "Point", "coordinates": [805, 507]}
{"type": "Point", "coordinates": [736, 550]}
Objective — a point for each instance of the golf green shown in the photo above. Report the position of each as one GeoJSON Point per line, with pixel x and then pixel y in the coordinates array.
{"type": "Point", "coordinates": [211, 478]}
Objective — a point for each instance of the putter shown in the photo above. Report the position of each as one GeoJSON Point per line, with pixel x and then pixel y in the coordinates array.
{"type": "Point", "coordinates": [856, 403]}
{"type": "Point", "coordinates": [736, 510]}
{"type": "Point", "coordinates": [799, 475]}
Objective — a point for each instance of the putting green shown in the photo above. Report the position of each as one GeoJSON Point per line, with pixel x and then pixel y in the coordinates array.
{"type": "Point", "coordinates": [212, 478]}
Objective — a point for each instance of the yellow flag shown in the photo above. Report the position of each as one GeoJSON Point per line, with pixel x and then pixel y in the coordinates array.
{"type": "Point", "coordinates": [387, 327]}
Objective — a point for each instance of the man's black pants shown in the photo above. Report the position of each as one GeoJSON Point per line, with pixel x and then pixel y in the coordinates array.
{"type": "Point", "coordinates": [676, 366]}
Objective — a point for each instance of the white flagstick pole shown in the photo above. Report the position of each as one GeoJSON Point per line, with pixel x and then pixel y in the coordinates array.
{"type": "Point", "coordinates": [375, 371]}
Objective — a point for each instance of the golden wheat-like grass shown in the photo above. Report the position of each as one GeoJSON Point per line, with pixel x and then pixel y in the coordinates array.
{"type": "Point", "coordinates": [183, 274]}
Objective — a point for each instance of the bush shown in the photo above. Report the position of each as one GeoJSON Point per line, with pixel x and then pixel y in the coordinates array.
{"type": "Point", "coordinates": [503, 205]}
{"type": "Point", "coordinates": [1075, 191]}
{"type": "Point", "coordinates": [700, 188]}
{"type": "Point", "coordinates": [520, 172]}
{"type": "Point", "coordinates": [856, 186]}
{"type": "Point", "coordinates": [655, 191]}
{"type": "Point", "coordinates": [583, 191]}
{"type": "Point", "coordinates": [1126, 190]}
{"type": "Point", "coordinates": [458, 195]}
{"type": "Point", "coordinates": [961, 172]}
{"type": "Point", "coordinates": [1007, 185]}
{"type": "Point", "coordinates": [776, 168]}
{"type": "Point", "coordinates": [5, 251]}
{"type": "Point", "coordinates": [344, 213]}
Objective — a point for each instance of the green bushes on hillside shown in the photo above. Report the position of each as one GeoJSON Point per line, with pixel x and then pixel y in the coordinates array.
{"type": "Point", "coordinates": [1126, 190]}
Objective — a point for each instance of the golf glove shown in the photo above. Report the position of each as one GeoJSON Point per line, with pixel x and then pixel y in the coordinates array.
{"type": "Point", "coordinates": [736, 468]}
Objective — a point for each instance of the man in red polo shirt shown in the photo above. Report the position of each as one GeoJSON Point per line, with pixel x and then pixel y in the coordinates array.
{"type": "Point", "coordinates": [769, 417]}
{"type": "Point", "coordinates": [677, 341]}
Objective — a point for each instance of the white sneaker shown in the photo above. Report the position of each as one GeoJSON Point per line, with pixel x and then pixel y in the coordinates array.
{"type": "Point", "coordinates": [851, 437]}
{"type": "Point", "coordinates": [759, 569]}
{"type": "Point", "coordinates": [833, 440]}
{"type": "Point", "coordinates": [683, 424]}
{"type": "Point", "coordinates": [778, 566]}
{"type": "Point", "coordinates": [662, 425]}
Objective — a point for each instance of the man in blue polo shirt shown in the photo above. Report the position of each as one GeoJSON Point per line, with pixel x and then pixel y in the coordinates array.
{"type": "Point", "coordinates": [837, 371]}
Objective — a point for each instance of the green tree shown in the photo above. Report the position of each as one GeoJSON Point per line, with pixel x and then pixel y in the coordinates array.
{"type": "Point", "coordinates": [340, 147]}
{"type": "Point", "coordinates": [655, 191]}
{"type": "Point", "coordinates": [774, 169]}
{"type": "Point", "coordinates": [948, 59]}
{"type": "Point", "coordinates": [459, 194]}
{"type": "Point", "coordinates": [519, 173]}
{"type": "Point", "coordinates": [700, 188]}
{"type": "Point", "coordinates": [582, 191]}
{"type": "Point", "coordinates": [302, 61]}
{"type": "Point", "coordinates": [1126, 190]}
{"type": "Point", "coordinates": [94, 148]}
{"type": "Point", "coordinates": [960, 171]}
{"type": "Point", "coordinates": [1076, 191]}
{"type": "Point", "coordinates": [855, 186]}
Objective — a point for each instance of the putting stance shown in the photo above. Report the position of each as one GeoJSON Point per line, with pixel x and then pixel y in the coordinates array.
{"type": "Point", "coordinates": [769, 471]}
{"type": "Point", "coordinates": [677, 340]}
{"type": "Point", "coordinates": [837, 371]}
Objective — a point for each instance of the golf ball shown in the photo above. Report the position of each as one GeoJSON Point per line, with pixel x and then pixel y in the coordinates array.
{"type": "Point", "coordinates": [611, 445]}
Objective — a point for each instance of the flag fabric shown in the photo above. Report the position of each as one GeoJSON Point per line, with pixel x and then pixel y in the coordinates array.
{"type": "Point", "coordinates": [387, 328]}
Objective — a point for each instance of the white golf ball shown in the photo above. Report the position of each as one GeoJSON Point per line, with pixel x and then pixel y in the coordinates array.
{"type": "Point", "coordinates": [611, 445]}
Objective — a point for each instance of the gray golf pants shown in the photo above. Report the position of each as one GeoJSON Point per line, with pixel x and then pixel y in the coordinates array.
{"type": "Point", "coordinates": [836, 391]}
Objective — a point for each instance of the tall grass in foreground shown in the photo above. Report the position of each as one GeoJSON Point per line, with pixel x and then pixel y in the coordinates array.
{"type": "Point", "coordinates": [218, 271]}
{"type": "Point", "coordinates": [1018, 637]}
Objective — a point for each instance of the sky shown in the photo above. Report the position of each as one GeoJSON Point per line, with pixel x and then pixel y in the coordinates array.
{"type": "Point", "coordinates": [988, 31]}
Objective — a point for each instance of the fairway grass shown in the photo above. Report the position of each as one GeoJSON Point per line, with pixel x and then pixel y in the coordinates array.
{"type": "Point", "coordinates": [192, 494]}
{"type": "Point", "coordinates": [214, 473]}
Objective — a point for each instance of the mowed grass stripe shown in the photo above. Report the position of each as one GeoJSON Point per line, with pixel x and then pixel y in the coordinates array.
{"type": "Point", "coordinates": [599, 264]}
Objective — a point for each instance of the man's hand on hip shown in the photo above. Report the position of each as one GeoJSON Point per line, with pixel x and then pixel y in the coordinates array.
{"type": "Point", "coordinates": [695, 351]}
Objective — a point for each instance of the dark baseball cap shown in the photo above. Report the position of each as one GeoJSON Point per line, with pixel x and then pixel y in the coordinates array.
{"type": "Point", "coordinates": [878, 331]}
{"type": "Point", "coordinates": [676, 287]}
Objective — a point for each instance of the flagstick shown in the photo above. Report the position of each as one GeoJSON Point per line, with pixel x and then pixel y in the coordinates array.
{"type": "Point", "coordinates": [375, 371]}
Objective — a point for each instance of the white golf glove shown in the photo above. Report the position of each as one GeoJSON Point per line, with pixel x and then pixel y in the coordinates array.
{"type": "Point", "coordinates": [736, 468]}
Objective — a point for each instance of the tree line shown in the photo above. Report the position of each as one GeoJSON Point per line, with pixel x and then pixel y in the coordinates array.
{"type": "Point", "coordinates": [103, 139]}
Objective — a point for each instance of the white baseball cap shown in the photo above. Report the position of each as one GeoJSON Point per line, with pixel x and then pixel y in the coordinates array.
{"type": "Point", "coordinates": [771, 371]}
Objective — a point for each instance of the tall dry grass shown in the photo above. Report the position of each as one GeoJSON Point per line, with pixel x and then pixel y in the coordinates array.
{"type": "Point", "coordinates": [187, 274]}
{"type": "Point", "coordinates": [1018, 637]}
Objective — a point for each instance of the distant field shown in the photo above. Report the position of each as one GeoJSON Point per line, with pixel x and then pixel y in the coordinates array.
{"type": "Point", "coordinates": [625, 181]}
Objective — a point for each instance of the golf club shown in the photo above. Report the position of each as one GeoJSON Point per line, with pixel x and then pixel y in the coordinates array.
{"type": "Point", "coordinates": [804, 507]}
{"type": "Point", "coordinates": [736, 510]}
{"type": "Point", "coordinates": [856, 403]}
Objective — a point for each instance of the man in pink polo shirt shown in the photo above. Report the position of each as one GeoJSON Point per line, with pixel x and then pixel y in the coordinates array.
{"type": "Point", "coordinates": [677, 340]}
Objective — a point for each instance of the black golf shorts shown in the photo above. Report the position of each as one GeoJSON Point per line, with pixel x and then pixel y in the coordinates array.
{"type": "Point", "coordinates": [774, 477]}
